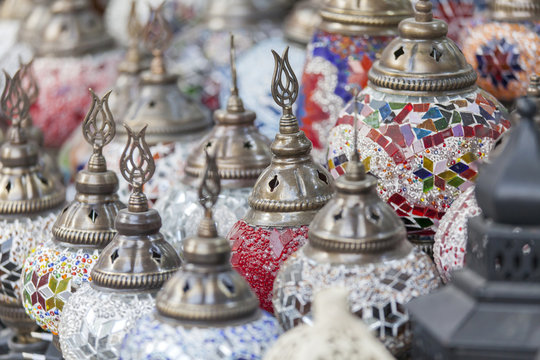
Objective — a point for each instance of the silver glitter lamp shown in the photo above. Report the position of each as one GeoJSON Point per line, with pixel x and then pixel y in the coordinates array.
{"type": "Point", "coordinates": [128, 274]}
{"type": "Point", "coordinates": [206, 311]}
{"type": "Point", "coordinates": [358, 242]}
{"type": "Point", "coordinates": [30, 200]}
{"type": "Point", "coordinates": [57, 268]}
{"type": "Point", "coordinates": [242, 154]}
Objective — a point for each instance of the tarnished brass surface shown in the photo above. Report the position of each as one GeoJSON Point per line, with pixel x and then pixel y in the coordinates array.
{"type": "Point", "coordinates": [138, 258]}
{"type": "Point", "coordinates": [206, 290]}
{"type": "Point", "coordinates": [302, 21]}
{"type": "Point", "coordinates": [293, 188]}
{"type": "Point", "coordinates": [241, 152]}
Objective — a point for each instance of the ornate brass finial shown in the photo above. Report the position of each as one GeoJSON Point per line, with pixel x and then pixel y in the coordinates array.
{"type": "Point", "coordinates": [98, 130]}
{"type": "Point", "coordinates": [157, 35]}
{"type": "Point", "coordinates": [423, 11]}
{"type": "Point", "coordinates": [356, 170]}
{"type": "Point", "coordinates": [285, 92]}
{"type": "Point", "coordinates": [132, 60]}
{"type": "Point", "coordinates": [28, 80]}
{"type": "Point", "coordinates": [208, 195]}
{"type": "Point", "coordinates": [16, 106]}
{"type": "Point", "coordinates": [235, 104]}
{"type": "Point", "coordinates": [137, 167]}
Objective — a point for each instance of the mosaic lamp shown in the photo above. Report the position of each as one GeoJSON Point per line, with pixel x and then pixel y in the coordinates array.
{"type": "Point", "coordinates": [460, 15]}
{"type": "Point", "coordinates": [358, 242]}
{"type": "Point", "coordinates": [334, 334]}
{"type": "Point", "coordinates": [242, 154]}
{"type": "Point", "coordinates": [341, 52]}
{"type": "Point", "coordinates": [423, 126]}
{"type": "Point", "coordinates": [302, 21]}
{"type": "Point", "coordinates": [285, 198]}
{"type": "Point", "coordinates": [128, 273]}
{"type": "Point", "coordinates": [73, 53]}
{"type": "Point", "coordinates": [57, 268]}
{"type": "Point", "coordinates": [491, 310]}
{"type": "Point", "coordinates": [175, 123]}
{"type": "Point", "coordinates": [505, 50]}
{"type": "Point", "coordinates": [207, 310]}
{"type": "Point", "coordinates": [450, 244]}
{"type": "Point", "coordinates": [30, 200]}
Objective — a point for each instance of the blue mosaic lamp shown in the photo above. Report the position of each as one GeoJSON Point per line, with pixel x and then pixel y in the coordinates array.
{"type": "Point", "coordinates": [207, 310]}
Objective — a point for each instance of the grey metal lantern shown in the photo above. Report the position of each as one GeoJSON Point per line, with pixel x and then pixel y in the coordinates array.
{"type": "Point", "coordinates": [492, 308]}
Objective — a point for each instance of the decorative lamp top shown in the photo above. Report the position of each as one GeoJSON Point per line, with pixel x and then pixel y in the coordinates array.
{"type": "Point", "coordinates": [132, 62]}
{"type": "Point", "coordinates": [241, 152]}
{"type": "Point", "coordinates": [89, 219]}
{"type": "Point", "coordinates": [25, 186]}
{"type": "Point", "coordinates": [207, 291]}
{"type": "Point", "coordinates": [515, 10]}
{"type": "Point", "coordinates": [293, 188]}
{"type": "Point", "coordinates": [138, 258]}
{"type": "Point", "coordinates": [157, 36]}
{"type": "Point", "coordinates": [230, 14]}
{"type": "Point", "coordinates": [356, 220]}
{"type": "Point", "coordinates": [31, 88]}
{"type": "Point", "coordinates": [422, 60]}
{"type": "Point", "coordinates": [354, 17]}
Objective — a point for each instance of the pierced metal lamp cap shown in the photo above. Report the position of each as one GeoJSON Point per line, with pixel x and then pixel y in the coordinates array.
{"type": "Point", "coordinates": [293, 188]}
{"type": "Point", "coordinates": [74, 29]}
{"type": "Point", "coordinates": [515, 10]}
{"type": "Point", "coordinates": [302, 21]}
{"type": "Point", "coordinates": [138, 258]}
{"type": "Point", "coordinates": [356, 220]}
{"type": "Point", "coordinates": [422, 59]}
{"type": "Point", "coordinates": [354, 17]}
{"type": "Point", "coordinates": [89, 220]}
{"type": "Point", "coordinates": [242, 153]}
{"type": "Point", "coordinates": [160, 103]}
{"type": "Point", "coordinates": [25, 187]}
{"type": "Point", "coordinates": [207, 291]}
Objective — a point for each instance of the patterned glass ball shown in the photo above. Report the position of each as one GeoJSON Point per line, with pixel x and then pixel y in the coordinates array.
{"type": "Point", "coordinates": [425, 151]}
{"type": "Point", "coordinates": [94, 323]}
{"type": "Point", "coordinates": [450, 244]}
{"type": "Point", "coordinates": [378, 291]}
{"type": "Point", "coordinates": [458, 14]}
{"type": "Point", "coordinates": [258, 252]}
{"type": "Point", "coordinates": [17, 238]}
{"type": "Point", "coordinates": [152, 339]}
{"type": "Point", "coordinates": [181, 212]}
{"type": "Point", "coordinates": [334, 62]}
{"type": "Point", "coordinates": [504, 55]}
{"type": "Point", "coordinates": [52, 272]}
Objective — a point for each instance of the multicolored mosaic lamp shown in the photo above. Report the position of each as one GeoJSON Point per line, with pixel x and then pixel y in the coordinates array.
{"type": "Point", "coordinates": [424, 125]}
{"type": "Point", "coordinates": [357, 241]}
{"type": "Point", "coordinates": [344, 47]}
{"type": "Point", "coordinates": [491, 310]}
{"type": "Point", "coordinates": [505, 50]}
{"type": "Point", "coordinates": [206, 311]}
{"type": "Point", "coordinates": [128, 273]}
{"type": "Point", "coordinates": [72, 54]}
{"type": "Point", "coordinates": [57, 268]}
{"type": "Point", "coordinates": [285, 197]}
{"type": "Point", "coordinates": [30, 200]}
{"type": "Point", "coordinates": [459, 15]}
{"type": "Point", "coordinates": [334, 334]}
{"type": "Point", "coordinates": [242, 154]}
{"type": "Point", "coordinates": [450, 244]}
{"type": "Point", "coordinates": [175, 124]}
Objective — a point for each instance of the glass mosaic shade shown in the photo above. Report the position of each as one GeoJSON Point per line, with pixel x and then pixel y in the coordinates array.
{"type": "Point", "coordinates": [423, 125]}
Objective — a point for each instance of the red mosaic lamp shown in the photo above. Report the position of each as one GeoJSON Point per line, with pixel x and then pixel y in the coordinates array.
{"type": "Point", "coordinates": [285, 197]}
{"type": "Point", "coordinates": [424, 125]}
{"type": "Point", "coordinates": [505, 50]}
{"type": "Point", "coordinates": [340, 53]}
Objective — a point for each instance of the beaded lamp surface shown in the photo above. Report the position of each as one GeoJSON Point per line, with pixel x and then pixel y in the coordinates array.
{"type": "Point", "coordinates": [341, 52]}
{"type": "Point", "coordinates": [176, 123]}
{"type": "Point", "coordinates": [241, 152]}
{"type": "Point", "coordinates": [57, 268]}
{"type": "Point", "coordinates": [284, 199]}
{"type": "Point", "coordinates": [206, 311]}
{"type": "Point", "coordinates": [30, 199]}
{"type": "Point", "coordinates": [128, 273]}
{"type": "Point", "coordinates": [423, 126]}
{"type": "Point", "coordinates": [358, 242]}
{"type": "Point", "coordinates": [505, 50]}
{"type": "Point", "coordinates": [450, 245]}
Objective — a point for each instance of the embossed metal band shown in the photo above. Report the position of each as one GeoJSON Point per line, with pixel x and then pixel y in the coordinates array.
{"type": "Point", "coordinates": [227, 173]}
{"type": "Point", "coordinates": [32, 206]}
{"type": "Point", "coordinates": [81, 237]}
{"type": "Point", "coordinates": [288, 206]}
{"type": "Point", "coordinates": [363, 20]}
{"type": "Point", "coordinates": [215, 313]}
{"type": "Point", "coordinates": [131, 281]}
{"type": "Point", "coordinates": [355, 247]}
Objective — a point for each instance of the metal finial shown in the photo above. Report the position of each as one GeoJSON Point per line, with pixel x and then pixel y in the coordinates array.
{"type": "Point", "coordinates": [234, 104]}
{"type": "Point", "coordinates": [355, 170]}
{"type": "Point", "coordinates": [16, 106]}
{"type": "Point", "coordinates": [284, 93]}
{"type": "Point", "coordinates": [28, 80]}
{"type": "Point", "coordinates": [423, 11]}
{"type": "Point", "coordinates": [134, 26]}
{"type": "Point", "coordinates": [157, 35]}
{"type": "Point", "coordinates": [137, 167]}
{"type": "Point", "coordinates": [99, 130]}
{"type": "Point", "coordinates": [210, 185]}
